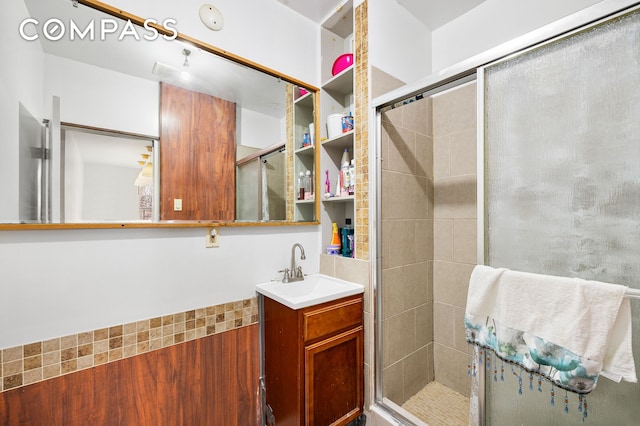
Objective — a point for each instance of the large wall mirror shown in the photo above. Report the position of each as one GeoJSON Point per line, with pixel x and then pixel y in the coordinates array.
{"type": "Point", "coordinates": [126, 122]}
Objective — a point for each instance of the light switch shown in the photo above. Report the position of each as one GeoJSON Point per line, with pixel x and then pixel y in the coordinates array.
{"type": "Point", "coordinates": [177, 204]}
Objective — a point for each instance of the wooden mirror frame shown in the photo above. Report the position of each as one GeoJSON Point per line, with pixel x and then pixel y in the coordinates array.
{"type": "Point", "coordinates": [118, 13]}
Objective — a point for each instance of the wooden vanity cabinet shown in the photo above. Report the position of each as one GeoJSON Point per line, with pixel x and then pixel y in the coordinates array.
{"type": "Point", "coordinates": [314, 362]}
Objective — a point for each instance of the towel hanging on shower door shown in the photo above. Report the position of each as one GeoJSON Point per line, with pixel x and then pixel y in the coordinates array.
{"type": "Point", "coordinates": [567, 330]}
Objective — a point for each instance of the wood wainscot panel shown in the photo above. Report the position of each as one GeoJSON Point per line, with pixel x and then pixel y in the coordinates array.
{"type": "Point", "coordinates": [197, 155]}
{"type": "Point", "coordinates": [207, 381]}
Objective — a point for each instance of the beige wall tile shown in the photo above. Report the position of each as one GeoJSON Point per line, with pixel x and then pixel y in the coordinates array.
{"type": "Point", "coordinates": [465, 241]}
{"type": "Point", "coordinates": [441, 157]}
{"type": "Point", "coordinates": [129, 328]}
{"type": "Point", "coordinates": [459, 336]}
{"type": "Point", "coordinates": [327, 265]}
{"type": "Point", "coordinates": [85, 338]}
{"type": "Point", "coordinates": [353, 270]}
{"type": "Point", "coordinates": [424, 240]}
{"type": "Point", "coordinates": [51, 358]}
{"type": "Point", "coordinates": [32, 376]}
{"type": "Point", "coordinates": [401, 240]}
{"type": "Point", "coordinates": [12, 354]}
{"type": "Point", "coordinates": [424, 324]}
{"type": "Point", "coordinates": [424, 156]}
{"type": "Point", "coordinates": [401, 149]}
{"type": "Point", "coordinates": [393, 116]}
{"type": "Point", "coordinates": [393, 383]}
{"type": "Point", "coordinates": [85, 362]}
{"type": "Point", "coordinates": [416, 371]}
{"type": "Point", "coordinates": [451, 282]}
{"type": "Point", "coordinates": [417, 116]}
{"type": "Point", "coordinates": [454, 111]}
{"type": "Point", "coordinates": [406, 196]}
{"type": "Point", "coordinates": [51, 371]}
{"type": "Point", "coordinates": [463, 154]}
{"type": "Point", "coordinates": [450, 369]}
{"type": "Point", "coordinates": [391, 292]}
{"type": "Point", "coordinates": [399, 337]}
{"type": "Point", "coordinates": [417, 288]}
{"type": "Point", "coordinates": [51, 345]}
{"type": "Point", "coordinates": [12, 368]}
{"type": "Point", "coordinates": [455, 197]}
{"type": "Point", "coordinates": [443, 239]}
{"type": "Point", "coordinates": [443, 328]}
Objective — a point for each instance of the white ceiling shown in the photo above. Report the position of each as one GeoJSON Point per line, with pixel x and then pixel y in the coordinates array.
{"type": "Point", "coordinates": [432, 13]}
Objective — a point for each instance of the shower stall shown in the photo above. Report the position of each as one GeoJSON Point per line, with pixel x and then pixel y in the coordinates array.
{"type": "Point", "coordinates": [261, 184]}
{"type": "Point", "coordinates": [527, 159]}
{"type": "Point", "coordinates": [428, 249]}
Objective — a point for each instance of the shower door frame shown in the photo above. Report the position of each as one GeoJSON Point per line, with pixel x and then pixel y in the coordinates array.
{"type": "Point", "coordinates": [472, 68]}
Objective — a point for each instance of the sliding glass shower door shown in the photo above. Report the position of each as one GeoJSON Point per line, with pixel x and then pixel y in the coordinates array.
{"type": "Point", "coordinates": [562, 161]}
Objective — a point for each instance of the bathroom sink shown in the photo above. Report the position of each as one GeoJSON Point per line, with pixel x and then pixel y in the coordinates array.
{"type": "Point", "coordinates": [315, 289]}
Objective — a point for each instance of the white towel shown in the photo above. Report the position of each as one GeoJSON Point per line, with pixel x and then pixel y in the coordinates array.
{"type": "Point", "coordinates": [590, 318]}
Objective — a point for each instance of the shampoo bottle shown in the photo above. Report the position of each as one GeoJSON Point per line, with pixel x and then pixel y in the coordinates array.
{"type": "Point", "coordinates": [352, 177]}
{"type": "Point", "coordinates": [301, 186]}
{"type": "Point", "coordinates": [344, 172]}
{"type": "Point", "coordinates": [335, 237]}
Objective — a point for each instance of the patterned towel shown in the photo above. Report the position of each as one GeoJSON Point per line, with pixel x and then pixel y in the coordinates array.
{"type": "Point", "coordinates": [567, 330]}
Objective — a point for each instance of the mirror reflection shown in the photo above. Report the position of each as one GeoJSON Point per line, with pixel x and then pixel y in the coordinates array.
{"type": "Point", "coordinates": [194, 135]}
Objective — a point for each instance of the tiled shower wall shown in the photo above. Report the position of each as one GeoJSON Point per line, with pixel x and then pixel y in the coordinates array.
{"type": "Point", "coordinates": [428, 240]}
{"type": "Point", "coordinates": [454, 229]}
{"type": "Point", "coordinates": [407, 250]}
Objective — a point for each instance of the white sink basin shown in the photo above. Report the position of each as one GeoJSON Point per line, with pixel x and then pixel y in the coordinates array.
{"type": "Point", "coordinates": [315, 289]}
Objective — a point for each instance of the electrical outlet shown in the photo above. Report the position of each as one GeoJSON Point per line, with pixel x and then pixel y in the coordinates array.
{"type": "Point", "coordinates": [212, 238]}
{"type": "Point", "coordinates": [177, 204]}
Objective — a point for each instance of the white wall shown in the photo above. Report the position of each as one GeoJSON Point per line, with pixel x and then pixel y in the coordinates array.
{"type": "Point", "coordinates": [494, 22]}
{"type": "Point", "coordinates": [399, 44]}
{"type": "Point", "coordinates": [99, 97]}
{"type": "Point", "coordinates": [20, 81]}
{"type": "Point", "coordinates": [266, 32]}
{"type": "Point", "coordinates": [260, 130]}
{"type": "Point", "coordinates": [109, 193]}
{"type": "Point", "coordinates": [56, 283]}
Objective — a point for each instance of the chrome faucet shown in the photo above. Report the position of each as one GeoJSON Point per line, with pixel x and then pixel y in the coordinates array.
{"type": "Point", "coordinates": [295, 273]}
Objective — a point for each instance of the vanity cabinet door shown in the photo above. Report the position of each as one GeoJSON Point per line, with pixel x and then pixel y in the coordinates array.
{"type": "Point", "coordinates": [334, 381]}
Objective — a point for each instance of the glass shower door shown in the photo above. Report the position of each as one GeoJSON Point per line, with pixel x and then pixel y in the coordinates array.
{"type": "Point", "coordinates": [562, 159]}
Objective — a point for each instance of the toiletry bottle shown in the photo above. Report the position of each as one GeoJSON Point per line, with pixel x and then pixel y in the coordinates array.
{"type": "Point", "coordinates": [308, 189]}
{"type": "Point", "coordinates": [335, 237]}
{"type": "Point", "coordinates": [344, 172]}
{"type": "Point", "coordinates": [327, 184]}
{"type": "Point", "coordinates": [352, 177]}
{"type": "Point", "coordinates": [347, 239]}
{"type": "Point", "coordinates": [301, 186]}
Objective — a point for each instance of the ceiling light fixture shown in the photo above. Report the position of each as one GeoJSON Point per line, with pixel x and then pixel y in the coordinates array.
{"type": "Point", "coordinates": [185, 74]}
{"type": "Point", "coordinates": [211, 17]}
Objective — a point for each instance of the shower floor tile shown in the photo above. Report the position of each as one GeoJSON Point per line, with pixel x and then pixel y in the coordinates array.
{"type": "Point", "coordinates": [437, 405]}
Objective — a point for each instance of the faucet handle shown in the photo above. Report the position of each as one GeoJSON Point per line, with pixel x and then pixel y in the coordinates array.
{"type": "Point", "coordinates": [299, 272]}
{"type": "Point", "coordinates": [285, 278]}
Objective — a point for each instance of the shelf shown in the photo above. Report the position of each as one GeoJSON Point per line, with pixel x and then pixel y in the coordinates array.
{"type": "Point", "coordinates": [340, 84]}
{"type": "Point", "coordinates": [341, 22]}
{"type": "Point", "coordinates": [305, 100]}
{"type": "Point", "coordinates": [307, 150]}
{"type": "Point", "coordinates": [345, 140]}
{"type": "Point", "coordinates": [339, 199]}
{"type": "Point", "coordinates": [305, 201]}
